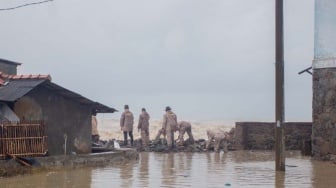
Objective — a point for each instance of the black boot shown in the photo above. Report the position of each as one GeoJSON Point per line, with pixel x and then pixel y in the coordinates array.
{"type": "Point", "coordinates": [125, 138]}
{"type": "Point", "coordinates": [131, 136]}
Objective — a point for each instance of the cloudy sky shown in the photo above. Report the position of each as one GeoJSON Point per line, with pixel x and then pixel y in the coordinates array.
{"type": "Point", "coordinates": [208, 60]}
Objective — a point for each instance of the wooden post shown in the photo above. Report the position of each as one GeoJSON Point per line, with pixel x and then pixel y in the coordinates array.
{"type": "Point", "coordinates": [279, 90]}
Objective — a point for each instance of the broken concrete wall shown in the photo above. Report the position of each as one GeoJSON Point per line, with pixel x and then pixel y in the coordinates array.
{"type": "Point", "coordinates": [261, 135]}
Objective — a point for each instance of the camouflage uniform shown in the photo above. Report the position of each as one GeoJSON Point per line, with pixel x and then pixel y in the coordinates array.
{"type": "Point", "coordinates": [169, 126]}
{"type": "Point", "coordinates": [220, 137]}
{"type": "Point", "coordinates": [143, 126]}
{"type": "Point", "coordinates": [126, 125]}
{"type": "Point", "coordinates": [158, 135]}
{"type": "Point", "coordinates": [94, 133]}
{"type": "Point", "coordinates": [184, 127]}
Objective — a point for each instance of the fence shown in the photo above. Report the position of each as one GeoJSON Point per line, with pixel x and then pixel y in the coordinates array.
{"type": "Point", "coordinates": [23, 139]}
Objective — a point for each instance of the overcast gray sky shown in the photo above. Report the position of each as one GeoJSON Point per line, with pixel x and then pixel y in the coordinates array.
{"type": "Point", "coordinates": [208, 60]}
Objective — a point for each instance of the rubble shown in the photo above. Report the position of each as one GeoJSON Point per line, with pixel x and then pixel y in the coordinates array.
{"type": "Point", "coordinates": [160, 145]}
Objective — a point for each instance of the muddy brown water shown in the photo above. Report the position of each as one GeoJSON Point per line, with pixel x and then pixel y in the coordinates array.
{"type": "Point", "coordinates": [233, 169]}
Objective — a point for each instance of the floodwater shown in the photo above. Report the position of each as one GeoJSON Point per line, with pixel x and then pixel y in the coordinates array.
{"type": "Point", "coordinates": [233, 169]}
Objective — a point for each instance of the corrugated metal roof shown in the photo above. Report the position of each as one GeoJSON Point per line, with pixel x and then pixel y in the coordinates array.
{"type": "Point", "coordinates": [97, 107]}
{"type": "Point", "coordinates": [16, 89]}
{"type": "Point", "coordinates": [13, 87]}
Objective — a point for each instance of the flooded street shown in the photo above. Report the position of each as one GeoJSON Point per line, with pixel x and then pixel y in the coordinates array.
{"type": "Point", "coordinates": [233, 169]}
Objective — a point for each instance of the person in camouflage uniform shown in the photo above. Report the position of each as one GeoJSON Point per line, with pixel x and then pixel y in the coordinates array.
{"type": "Point", "coordinates": [169, 126]}
{"type": "Point", "coordinates": [126, 124]}
{"type": "Point", "coordinates": [221, 140]}
{"type": "Point", "coordinates": [143, 127]}
{"type": "Point", "coordinates": [184, 127]}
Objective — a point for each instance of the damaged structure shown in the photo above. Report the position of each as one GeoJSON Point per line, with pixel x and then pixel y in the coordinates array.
{"type": "Point", "coordinates": [38, 116]}
{"type": "Point", "coordinates": [324, 81]}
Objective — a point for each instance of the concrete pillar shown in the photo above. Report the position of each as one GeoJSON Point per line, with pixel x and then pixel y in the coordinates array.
{"type": "Point", "coordinates": [324, 80]}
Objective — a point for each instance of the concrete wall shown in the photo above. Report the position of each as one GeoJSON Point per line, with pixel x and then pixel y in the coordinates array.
{"type": "Point", "coordinates": [324, 80]}
{"type": "Point", "coordinates": [260, 135]}
{"type": "Point", "coordinates": [8, 68]}
{"type": "Point", "coordinates": [63, 117]}
{"type": "Point", "coordinates": [324, 112]}
{"type": "Point", "coordinates": [122, 156]}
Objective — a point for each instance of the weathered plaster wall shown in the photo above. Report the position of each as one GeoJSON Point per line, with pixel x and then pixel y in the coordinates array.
{"type": "Point", "coordinates": [260, 135]}
{"type": "Point", "coordinates": [324, 80]}
{"type": "Point", "coordinates": [324, 112]}
{"type": "Point", "coordinates": [28, 109]}
{"type": "Point", "coordinates": [8, 68]}
{"type": "Point", "coordinates": [63, 117]}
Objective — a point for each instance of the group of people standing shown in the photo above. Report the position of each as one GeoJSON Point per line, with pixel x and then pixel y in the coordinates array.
{"type": "Point", "coordinates": [169, 126]}
{"type": "Point", "coordinates": [126, 125]}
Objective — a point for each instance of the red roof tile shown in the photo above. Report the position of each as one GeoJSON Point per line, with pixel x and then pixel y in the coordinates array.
{"type": "Point", "coordinates": [5, 77]}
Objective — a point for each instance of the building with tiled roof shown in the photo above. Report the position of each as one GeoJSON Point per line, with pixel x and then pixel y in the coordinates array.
{"type": "Point", "coordinates": [37, 98]}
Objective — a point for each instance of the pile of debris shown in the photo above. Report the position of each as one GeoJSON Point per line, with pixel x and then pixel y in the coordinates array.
{"type": "Point", "coordinates": [200, 145]}
{"type": "Point", "coordinates": [160, 145]}
{"type": "Point", "coordinates": [103, 146]}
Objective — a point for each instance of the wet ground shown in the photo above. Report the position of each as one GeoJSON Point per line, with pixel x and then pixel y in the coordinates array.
{"type": "Point", "coordinates": [233, 169]}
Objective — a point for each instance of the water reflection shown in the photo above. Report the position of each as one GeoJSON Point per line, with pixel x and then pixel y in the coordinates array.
{"type": "Point", "coordinates": [168, 170]}
{"type": "Point", "coordinates": [184, 164]}
{"type": "Point", "coordinates": [58, 178]}
{"type": "Point", "coordinates": [279, 179]}
{"type": "Point", "coordinates": [323, 174]}
{"type": "Point", "coordinates": [144, 170]}
{"type": "Point", "coordinates": [233, 169]}
{"type": "Point", "coordinates": [126, 175]}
